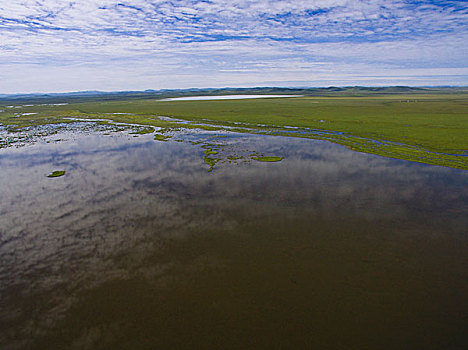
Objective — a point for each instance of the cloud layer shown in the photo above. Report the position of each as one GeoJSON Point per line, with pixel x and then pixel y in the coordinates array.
{"type": "Point", "coordinates": [52, 45]}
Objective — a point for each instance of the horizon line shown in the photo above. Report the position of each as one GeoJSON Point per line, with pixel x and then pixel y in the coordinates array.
{"type": "Point", "coordinates": [3, 95]}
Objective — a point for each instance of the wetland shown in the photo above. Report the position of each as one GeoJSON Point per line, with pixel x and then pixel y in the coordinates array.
{"type": "Point", "coordinates": [249, 224]}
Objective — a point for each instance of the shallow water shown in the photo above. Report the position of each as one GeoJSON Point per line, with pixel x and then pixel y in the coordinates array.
{"type": "Point", "coordinates": [225, 97]}
{"type": "Point", "coordinates": [139, 247]}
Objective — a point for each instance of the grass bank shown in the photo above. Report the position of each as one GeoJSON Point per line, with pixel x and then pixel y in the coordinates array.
{"type": "Point", "coordinates": [428, 128]}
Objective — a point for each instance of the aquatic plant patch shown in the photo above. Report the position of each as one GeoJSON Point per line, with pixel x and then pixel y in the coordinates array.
{"type": "Point", "coordinates": [57, 173]}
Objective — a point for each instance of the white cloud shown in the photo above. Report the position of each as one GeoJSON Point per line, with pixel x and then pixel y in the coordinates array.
{"type": "Point", "coordinates": [222, 38]}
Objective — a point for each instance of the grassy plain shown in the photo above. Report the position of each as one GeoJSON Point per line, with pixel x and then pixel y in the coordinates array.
{"type": "Point", "coordinates": [428, 128]}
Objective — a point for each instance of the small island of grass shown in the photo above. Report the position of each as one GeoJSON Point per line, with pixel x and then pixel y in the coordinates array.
{"type": "Point", "coordinates": [144, 131]}
{"type": "Point", "coordinates": [160, 137]}
{"type": "Point", "coordinates": [57, 173]}
{"type": "Point", "coordinates": [268, 159]}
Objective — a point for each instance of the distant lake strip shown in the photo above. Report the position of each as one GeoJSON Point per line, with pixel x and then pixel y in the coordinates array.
{"type": "Point", "coordinates": [225, 97]}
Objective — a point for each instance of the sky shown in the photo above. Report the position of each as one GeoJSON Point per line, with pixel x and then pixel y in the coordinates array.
{"type": "Point", "coordinates": [111, 45]}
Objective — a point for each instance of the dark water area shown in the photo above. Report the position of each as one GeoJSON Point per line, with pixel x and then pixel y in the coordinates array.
{"type": "Point", "coordinates": [139, 247]}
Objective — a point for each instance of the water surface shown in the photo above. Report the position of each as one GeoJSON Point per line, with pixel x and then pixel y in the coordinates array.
{"type": "Point", "coordinates": [225, 97]}
{"type": "Point", "coordinates": [139, 247]}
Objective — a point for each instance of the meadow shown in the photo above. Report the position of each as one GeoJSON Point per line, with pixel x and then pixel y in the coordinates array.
{"type": "Point", "coordinates": [427, 128]}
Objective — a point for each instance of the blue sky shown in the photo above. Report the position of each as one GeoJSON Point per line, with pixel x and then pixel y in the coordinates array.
{"type": "Point", "coordinates": [58, 45]}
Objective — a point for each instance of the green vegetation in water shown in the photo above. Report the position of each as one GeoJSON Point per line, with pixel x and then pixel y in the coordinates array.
{"type": "Point", "coordinates": [429, 128]}
{"type": "Point", "coordinates": [226, 154]}
{"type": "Point", "coordinates": [160, 137]}
{"type": "Point", "coordinates": [144, 131]}
{"type": "Point", "coordinates": [268, 159]}
{"type": "Point", "coordinates": [209, 151]}
{"type": "Point", "coordinates": [211, 162]}
{"type": "Point", "coordinates": [57, 173]}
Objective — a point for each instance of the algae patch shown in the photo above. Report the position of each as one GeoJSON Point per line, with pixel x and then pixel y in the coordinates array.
{"type": "Point", "coordinates": [268, 159]}
{"type": "Point", "coordinates": [57, 173]}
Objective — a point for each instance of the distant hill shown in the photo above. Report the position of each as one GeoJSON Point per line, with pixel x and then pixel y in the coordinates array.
{"type": "Point", "coordinates": [82, 96]}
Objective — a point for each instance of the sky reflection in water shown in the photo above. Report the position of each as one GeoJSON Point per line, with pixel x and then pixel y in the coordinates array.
{"type": "Point", "coordinates": [139, 246]}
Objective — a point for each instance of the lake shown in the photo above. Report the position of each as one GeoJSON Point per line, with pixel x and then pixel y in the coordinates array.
{"type": "Point", "coordinates": [139, 246]}
{"type": "Point", "coordinates": [225, 97]}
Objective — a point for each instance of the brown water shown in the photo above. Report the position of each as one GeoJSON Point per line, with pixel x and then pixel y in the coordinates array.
{"type": "Point", "coordinates": [139, 247]}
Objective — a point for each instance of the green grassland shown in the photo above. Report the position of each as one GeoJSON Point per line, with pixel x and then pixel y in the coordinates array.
{"type": "Point", "coordinates": [428, 128]}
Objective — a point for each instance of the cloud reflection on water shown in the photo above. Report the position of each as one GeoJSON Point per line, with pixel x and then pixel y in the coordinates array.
{"type": "Point", "coordinates": [124, 200]}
